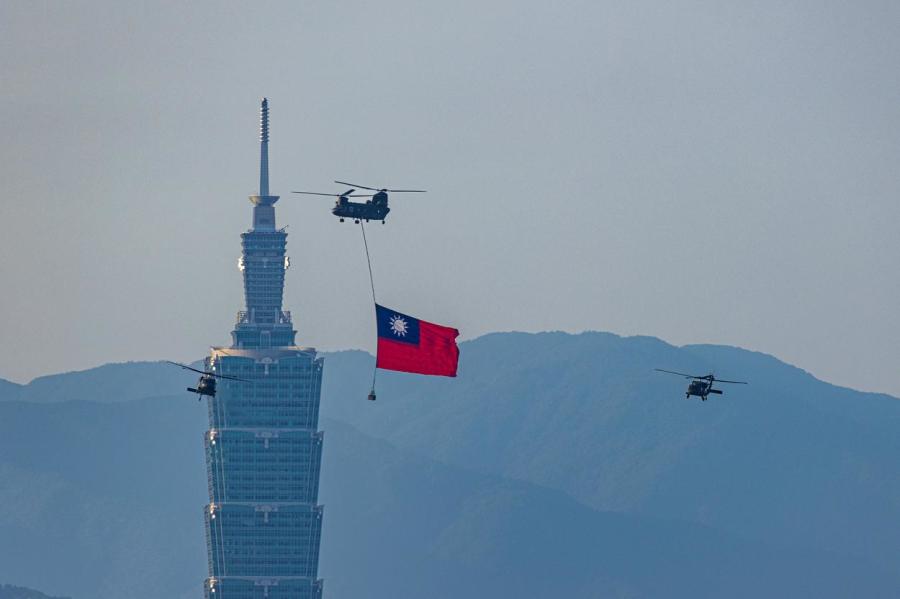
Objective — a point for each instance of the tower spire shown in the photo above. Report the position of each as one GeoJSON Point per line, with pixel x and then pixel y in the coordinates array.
{"type": "Point", "coordinates": [263, 203]}
{"type": "Point", "coordinates": [264, 147]}
{"type": "Point", "coordinates": [263, 262]}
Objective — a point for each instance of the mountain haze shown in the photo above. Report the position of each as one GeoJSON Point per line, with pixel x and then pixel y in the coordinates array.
{"type": "Point", "coordinates": [108, 383]}
{"type": "Point", "coordinates": [555, 465]}
{"type": "Point", "coordinates": [787, 458]}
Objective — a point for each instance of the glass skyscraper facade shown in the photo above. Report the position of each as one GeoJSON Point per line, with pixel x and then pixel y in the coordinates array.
{"type": "Point", "coordinates": [263, 447]}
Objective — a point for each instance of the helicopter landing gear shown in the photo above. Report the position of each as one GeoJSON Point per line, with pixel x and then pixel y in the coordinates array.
{"type": "Point", "coordinates": [367, 220]}
{"type": "Point", "coordinates": [342, 220]}
{"type": "Point", "coordinates": [382, 222]}
{"type": "Point", "coordinates": [356, 222]}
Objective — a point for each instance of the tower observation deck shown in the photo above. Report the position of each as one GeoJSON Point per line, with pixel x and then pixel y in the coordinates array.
{"type": "Point", "coordinates": [263, 449]}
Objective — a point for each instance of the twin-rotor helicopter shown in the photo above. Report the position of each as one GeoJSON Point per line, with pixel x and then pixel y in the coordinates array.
{"type": "Point", "coordinates": [373, 209]}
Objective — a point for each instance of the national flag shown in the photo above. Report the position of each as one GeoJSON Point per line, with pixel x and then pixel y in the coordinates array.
{"type": "Point", "coordinates": [409, 344]}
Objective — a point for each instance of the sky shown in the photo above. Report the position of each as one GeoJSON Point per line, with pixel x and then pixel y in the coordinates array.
{"type": "Point", "coordinates": [703, 172]}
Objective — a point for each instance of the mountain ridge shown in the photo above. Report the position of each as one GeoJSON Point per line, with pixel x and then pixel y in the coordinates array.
{"type": "Point", "coordinates": [8, 591]}
{"type": "Point", "coordinates": [538, 428]}
{"type": "Point", "coordinates": [145, 374]}
{"type": "Point", "coordinates": [587, 415]}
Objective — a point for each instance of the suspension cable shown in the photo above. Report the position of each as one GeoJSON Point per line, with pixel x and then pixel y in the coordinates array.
{"type": "Point", "coordinates": [374, 301]}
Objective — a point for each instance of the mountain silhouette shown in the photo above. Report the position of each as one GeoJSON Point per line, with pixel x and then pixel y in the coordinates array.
{"type": "Point", "coordinates": [787, 458]}
{"type": "Point", "coordinates": [11, 592]}
{"type": "Point", "coordinates": [555, 465]}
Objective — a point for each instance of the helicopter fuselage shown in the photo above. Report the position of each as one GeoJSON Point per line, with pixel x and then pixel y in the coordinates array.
{"type": "Point", "coordinates": [374, 209]}
{"type": "Point", "coordinates": [701, 389]}
{"type": "Point", "coordinates": [701, 386]}
{"type": "Point", "coordinates": [205, 386]}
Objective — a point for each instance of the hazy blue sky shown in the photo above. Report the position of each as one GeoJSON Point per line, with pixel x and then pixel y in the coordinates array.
{"type": "Point", "coordinates": [720, 172]}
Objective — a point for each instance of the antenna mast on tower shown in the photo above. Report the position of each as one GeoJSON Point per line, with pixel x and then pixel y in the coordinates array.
{"type": "Point", "coordinates": [264, 147]}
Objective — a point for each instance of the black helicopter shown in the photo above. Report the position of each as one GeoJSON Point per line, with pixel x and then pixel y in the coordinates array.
{"type": "Point", "coordinates": [207, 383]}
{"type": "Point", "coordinates": [374, 209]}
{"type": "Point", "coordinates": [701, 386]}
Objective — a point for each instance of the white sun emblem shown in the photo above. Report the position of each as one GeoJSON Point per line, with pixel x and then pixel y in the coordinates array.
{"type": "Point", "coordinates": [399, 326]}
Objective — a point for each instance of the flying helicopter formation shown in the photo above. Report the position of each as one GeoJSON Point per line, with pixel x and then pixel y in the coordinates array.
{"type": "Point", "coordinates": [374, 209]}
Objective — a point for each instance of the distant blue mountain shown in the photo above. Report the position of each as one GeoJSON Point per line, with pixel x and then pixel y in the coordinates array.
{"type": "Point", "coordinates": [108, 383]}
{"type": "Point", "coordinates": [105, 500]}
{"type": "Point", "coordinates": [11, 592]}
{"type": "Point", "coordinates": [787, 459]}
{"type": "Point", "coordinates": [465, 487]}
{"type": "Point", "coordinates": [398, 525]}
{"type": "Point", "coordinates": [9, 390]}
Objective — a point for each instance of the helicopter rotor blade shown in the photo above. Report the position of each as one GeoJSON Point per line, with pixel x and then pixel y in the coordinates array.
{"type": "Point", "coordinates": [355, 185]}
{"type": "Point", "coordinates": [381, 189]}
{"type": "Point", "coordinates": [734, 382]}
{"type": "Point", "coordinates": [333, 195]}
{"type": "Point", "coordinates": [690, 376]}
{"type": "Point", "coordinates": [185, 366]}
{"type": "Point", "coordinates": [349, 194]}
{"type": "Point", "coordinates": [206, 373]}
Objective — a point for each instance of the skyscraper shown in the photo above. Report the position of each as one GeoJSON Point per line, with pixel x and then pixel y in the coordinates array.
{"type": "Point", "coordinates": [263, 450]}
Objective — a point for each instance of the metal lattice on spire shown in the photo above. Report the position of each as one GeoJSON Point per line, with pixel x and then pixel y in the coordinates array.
{"type": "Point", "coordinates": [263, 203]}
{"type": "Point", "coordinates": [264, 147]}
{"type": "Point", "coordinates": [264, 120]}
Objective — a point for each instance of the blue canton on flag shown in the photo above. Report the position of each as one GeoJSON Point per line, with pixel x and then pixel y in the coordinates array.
{"type": "Point", "coordinates": [396, 326]}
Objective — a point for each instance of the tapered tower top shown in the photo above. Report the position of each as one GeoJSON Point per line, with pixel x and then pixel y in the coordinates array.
{"type": "Point", "coordinates": [263, 203]}
{"type": "Point", "coordinates": [263, 323]}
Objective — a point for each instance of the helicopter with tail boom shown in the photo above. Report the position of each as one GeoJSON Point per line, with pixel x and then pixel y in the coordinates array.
{"type": "Point", "coordinates": [207, 383]}
{"type": "Point", "coordinates": [701, 386]}
{"type": "Point", "coordinates": [374, 209]}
